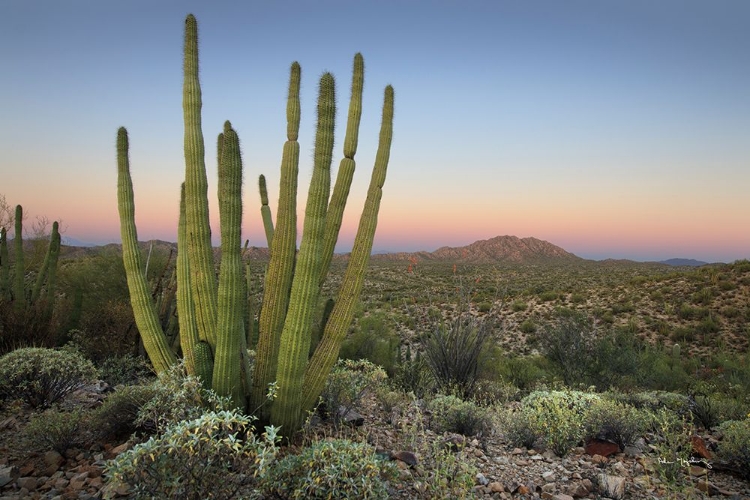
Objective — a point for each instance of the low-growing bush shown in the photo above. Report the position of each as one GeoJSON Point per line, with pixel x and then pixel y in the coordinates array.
{"type": "Point", "coordinates": [216, 456]}
{"type": "Point", "coordinates": [335, 469]}
{"type": "Point", "coordinates": [54, 429]}
{"type": "Point", "coordinates": [415, 376]}
{"type": "Point", "coordinates": [616, 422]}
{"type": "Point", "coordinates": [654, 401]}
{"type": "Point", "coordinates": [452, 414]}
{"type": "Point", "coordinates": [373, 340]}
{"type": "Point", "coordinates": [735, 445]}
{"type": "Point", "coordinates": [177, 397]}
{"type": "Point", "coordinates": [41, 376]}
{"type": "Point", "coordinates": [348, 382]}
{"type": "Point", "coordinates": [117, 415]}
{"type": "Point", "coordinates": [125, 369]}
{"type": "Point", "coordinates": [555, 419]}
{"type": "Point", "coordinates": [569, 344]}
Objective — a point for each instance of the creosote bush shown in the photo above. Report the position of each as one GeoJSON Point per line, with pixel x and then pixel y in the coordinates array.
{"type": "Point", "coordinates": [118, 414]}
{"type": "Point", "coordinates": [452, 414]}
{"type": "Point", "coordinates": [41, 376]}
{"type": "Point", "coordinates": [735, 445]}
{"type": "Point", "coordinates": [555, 419]}
{"type": "Point", "coordinates": [616, 422]}
{"type": "Point", "coordinates": [54, 429]}
{"type": "Point", "coordinates": [335, 469]}
{"type": "Point", "coordinates": [348, 382]}
{"type": "Point", "coordinates": [214, 456]}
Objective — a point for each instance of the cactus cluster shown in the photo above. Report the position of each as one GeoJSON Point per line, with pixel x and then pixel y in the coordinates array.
{"type": "Point", "coordinates": [213, 314]}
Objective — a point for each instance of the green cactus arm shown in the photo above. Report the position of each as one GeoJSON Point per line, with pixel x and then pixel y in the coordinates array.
{"type": "Point", "coordinates": [346, 168]}
{"type": "Point", "coordinates": [146, 318]}
{"type": "Point", "coordinates": [278, 279]}
{"type": "Point", "coordinates": [341, 317]}
{"type": "Point", "coordinates": [54, 255]}
{"type": "Point", "coordinates": [230, 328]}
{"type": "Point", "coordinates": [19, 269]}
{"type": "Point", "coordinates": [200, 251]}
{"type": "Point", "coordinates": [36, 291]}
{"type": "Point", "coordinates": [295, 336]}
{"type": "Point", "coordinates": [4, 267]}
{"type": "Point", "coordinates": [265, 210]}
{"type": "Point", "coordinates": [185, 308]}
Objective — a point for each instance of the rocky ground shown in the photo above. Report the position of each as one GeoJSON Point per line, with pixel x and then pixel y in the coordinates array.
{"type": "Point", "coordinates": [504, 472]}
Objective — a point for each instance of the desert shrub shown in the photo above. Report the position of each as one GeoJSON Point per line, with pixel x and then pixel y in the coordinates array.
{"type": "Point", "coordinates": [671, 444]}
{"type": "Point", "coordinates": [616, 360]}
{"type": "Point", "coordinates": [735, 444]}
{"type": "Point", "coordinates": [453, 350]}
{"type": "Point", "coordinates": [177, 397]}
{"type": "Point", "coordinates": [373, 340]}
{"type": "Point", "coordinates": [216, 455]}
{"type": "Point", "coordinates": [42, 376]}
{"type": "Point", "coordinates": [348, 382]}
{"type": "Point", "coordinates": [452, 414]}
{"type": "Point", "coordinates": [31, 325]}
{"type": "Point", "coordinates": [125, 369]}
{"type": "Point", "coordinates": [527, 372]}
{"type": "Point", "coordinates": [54, 429]}
{"type": "Point", "coordinates": [107, 329]}
{"type": "Point", "coordinates": [414, 375]}
{"type": "Point", "coordinates": [527, 326]}
{"type": "Point", "coordinates": [616, 422]}
{"type": "Point", "coordinates": [653, 401]}
{"type": "Point", "coordinates": [553, 418]}
{"type": "Point", "coordinates": [451, 477]}
{"type": "Point", "coordinates": [335, 469]}
{"type": "Point", "coordinates": [118, 413]}
{"type": "Point", "coordinates": [518, 306]}
{"type": "Point", "coordinates": [569, 344]}
{"type": "Point", "coordinates": [662, 371]}
{"type": "Point", "coordinates": [548, 296]}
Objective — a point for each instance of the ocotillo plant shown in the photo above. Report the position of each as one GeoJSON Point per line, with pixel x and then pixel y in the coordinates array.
{"type": "Point", "coordinates": [211, 316]}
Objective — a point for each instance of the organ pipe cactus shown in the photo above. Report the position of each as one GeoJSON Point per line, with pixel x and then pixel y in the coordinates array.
{"type": "Point", "coordinates": [19, 273]}
{"type": "Point", "coordinates": [4, 267]}
{"type": "Point", "coordinates": [265, 210]}
{"type": "Point", "coordinates": [213, 340]}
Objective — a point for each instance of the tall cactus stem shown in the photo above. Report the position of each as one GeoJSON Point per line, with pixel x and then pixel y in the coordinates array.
{"type": "Point", "coordinates": [42, 275]}
{"type": "Point", "coordinates": [295, 337]}
{"type": "Point", "coordinates": [327, 352]}
{"type": "Point", "coordinates": [54, 256]}
{"type": "Point", "coordinates": [19, 270]}
{"type": "Point", "coordinates": [4, 267]}
{"type": "Point", "coordinates": [200, 251]}
{"type": "Point", "coordinates": [346, 167]}
{"type": "Point", "coordinates": [230, 327]}
{"type": "Point", "coordinates": [278, 279]}
{"type": "Point", "coordinates": [265, 210]}
{"type": "Point", "coordinates": [146, 318]}
{"type": "Point", "coordinates": [185, 308]}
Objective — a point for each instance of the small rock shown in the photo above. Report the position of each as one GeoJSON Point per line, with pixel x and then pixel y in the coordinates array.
{"type": "Point", "coordinates": [501, 460]}
{"type": "Point", "coordinates": [53, 458]}
{"type": "Point", "coordinates": [481, 479]}
{"type": "Point", "coordinates": [406, 457]}
{"type": "Point", "coordinates": [28, 483]}
{"type": "Point", "coordinates": [119, 449]}
{"type": "Point", "coordinates": [699, 447]}
{"type": "Point", "coordinates": [599, 460]}
{"type": "Point", "coordinates": [496, 487]}
{"type": "Point", "coordinates": [562, 496]}
{"type": "Point", "coordinates": [580, 490]}
{"type": "Point", "coordinates": [536, 457]}
{"type": "Point", "coordinates": [548, 476]}
{"type": "Point", "coordinates": [612, 486]}
{"type": "Point", "coordinates": [7, 474]}
{"type": "Point", "coordinates": [599, 447]}
{"type": "Point", "coordinates": [548, 488]}
{"type": "Point", "coordinates": [696, 471]}
{"type": "Point", "coordinates": [517, 451]}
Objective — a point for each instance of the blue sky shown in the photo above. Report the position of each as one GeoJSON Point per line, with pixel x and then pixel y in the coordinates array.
{"type": "Point", "coordinates": [612, 129]}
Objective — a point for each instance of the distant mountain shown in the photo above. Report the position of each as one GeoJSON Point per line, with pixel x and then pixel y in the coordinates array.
{"type": "Point", "coordinates": [684, 262]}
{"type": "Point", "coordinates": [499, 249]}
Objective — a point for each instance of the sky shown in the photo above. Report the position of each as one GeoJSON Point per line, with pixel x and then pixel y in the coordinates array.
{"type": "Point", "coordinates": [614, 129]}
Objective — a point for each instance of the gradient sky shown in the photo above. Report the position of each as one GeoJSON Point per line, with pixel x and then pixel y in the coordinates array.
{"type": "Point", "coordinates": [610, 128]}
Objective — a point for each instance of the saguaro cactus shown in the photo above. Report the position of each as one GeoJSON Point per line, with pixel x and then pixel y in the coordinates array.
{"type": "Point", "coordinates": [212, 317]}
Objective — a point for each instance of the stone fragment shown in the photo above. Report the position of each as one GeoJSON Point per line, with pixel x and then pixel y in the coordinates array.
{"type": "Point", "coordinates": [28, 483]}
{"type": "Point", "coordinates": [481, 479]}
{"type": "Point", "coordinates": [406, 457]}
{"type": "Point", "coordinates": [612, 486]}
{"type": "Point", "coordinates": [699, 447]}
{"type": "Point", "coordinates": [496, 487]}
{"type": "Point", "coordinates": [599, 447]}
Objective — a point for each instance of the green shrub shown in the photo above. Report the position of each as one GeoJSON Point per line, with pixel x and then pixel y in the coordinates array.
{"type": "Point", "coordinates": [452, 414]}
{"type": "Point", "coordinates": [453, 350]}
{"type": "Point", "coordinates": [735, 445]}
{"type": "Point", "coordinates": [617, 422]}
{"type": "Point", "coordinates": [118, 413]}
{"type": "Point", "coordinates": [335, 469]}
{"type": "Point", "coordinates": [348, 382]}
{"type": "Point", "coordinates": [569, 344]}
{"type": "Point", "coordinates": [548, 296]}
{"type": "Point", "coordinates": [654, 401]}
{"type": "Point", "coordinates": [518, 306]}
{"type": "Point", "coordinates": [374, 340]}
{"type": "Point", "coordinates": [42, 376]}
{"type": "Point", "coordinates": [554, 418]}
{"type": "Point", "coordinates": [124, 370]}
{"type": "Point", "coordinates": [214, 456]}
{"type": "Point", "coordinates": [415, 376]}
{"type": "Point", "coordinates": [54, 429]}
{"type": "Point", "coordinates": [672, 445]}
{"type": "Point", "coordinates": [177, 397]}
{"type": "Point", "coordinates": [527, 326]}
